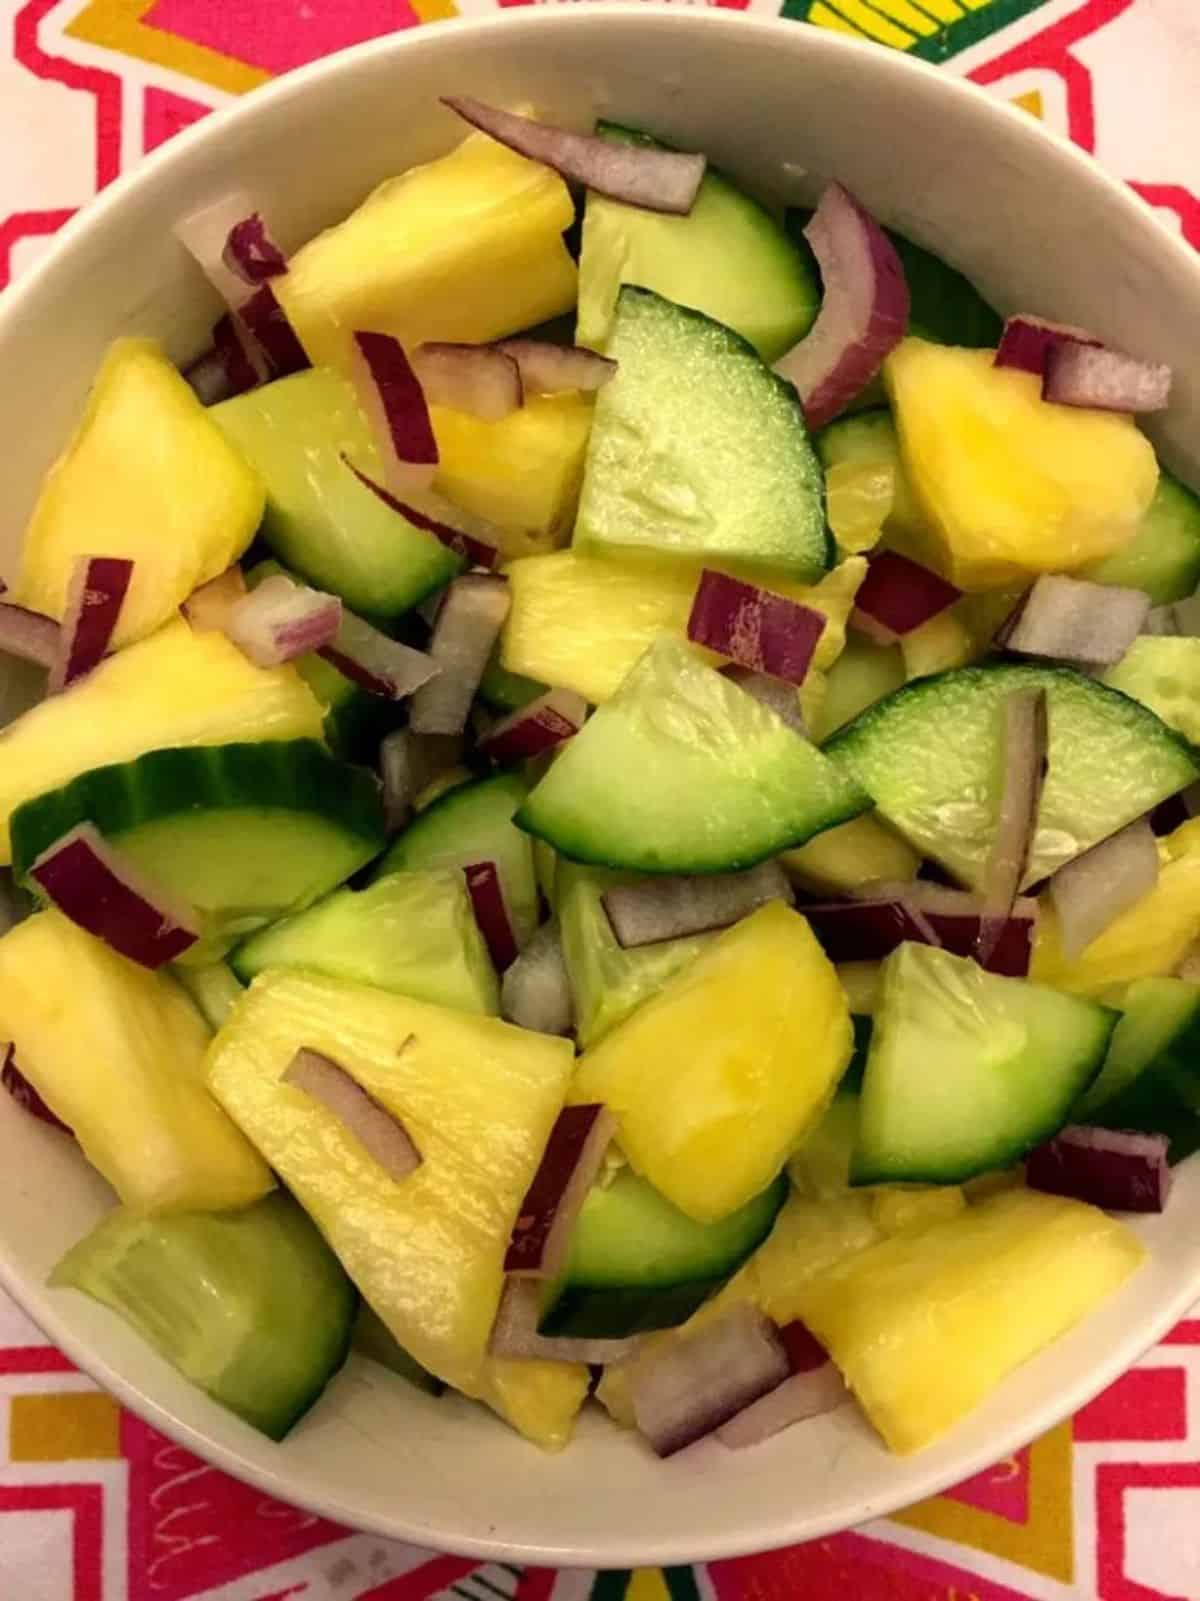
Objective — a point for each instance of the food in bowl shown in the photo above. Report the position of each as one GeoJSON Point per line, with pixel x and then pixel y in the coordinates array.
{"type": "Point", "coordinates": [657, 847]}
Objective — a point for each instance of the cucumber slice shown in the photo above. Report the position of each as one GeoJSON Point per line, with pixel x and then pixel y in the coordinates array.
{"type": "Point", "coordinates": [820, 1168]}
{"type": "Point", "coordinates": [252, 1306]}
{"type": "Point", "coordinates": [1163, 557]}
{"type": "Point", "coordinates": [503, 691]}
{"type": "Point", "coordinates": [1158, 1016]}
{"type": "Point", "coordinates": [373, 1339]}
{"type": "Point", "coordinates": [930, 756]}
{"type": "Point", "coordinates": [411, 933]}
{"type": "Point", "coordinates": [214, 989]}
{"type": "Point", "coordinates": [728, 258]}
{"type": "Point", "coordinates": [473, 822]}
{"type": "Point", "coordinates": [863, 674]}
{"type": "Point", "coordinates": [968, 1071]}
{"type": "Point", "coordinates": [869, 439]}
{"type": "Point", "coordinates": [683, 772]}
{"type": "Point", "coordinates": [1163, 673]}
{"type": "Point", "coordinates": [321, 521]}
{"type": "Point", "coordinates": [699, 450]}
{"type": "Point", "coordinates": [244, 833]}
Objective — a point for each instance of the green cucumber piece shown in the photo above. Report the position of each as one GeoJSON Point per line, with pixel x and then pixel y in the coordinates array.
{"type": "Point", "coordinates": [699, 450]}
{"type": "Point", "coordinates": [608, 982]}
{"type": "Point", "coordinates": [869, 439]}
{"type": "Point", "coordinates": [1163, 557]}
{"type": "Point", "coordinates": [1158, 1016]}
{"type": "Point", "coordinates": [1162, 673]}
{"type": "Point", "coordinates": [863, 674]}
{"type": "Point", "coordinates": [473, 822]}
{"type": "Point", "coordinates": [930, 755]}
{"type": "Point", "coordinates": [618, 1314]}
{"type": "Point", "coordinates": [412, 933]}
{"type": "Point", "coordinates": [373, 1339]}
{"type": "Point", "coordinates": [214, 989]}
{"type": "Point", "coordinates": [244, 833]}
{"type": "Point", "coordinates": [321, 521]}
{"type": "Point", "coordinates": [683, 772]}
{"type": "Point", "coordinates": [967, 1070]}
{"type": "Point", "coordinates": [252, 1306]}
{"type": "Point", "coordinates": [820, 1168]}
{"type": "Point", "coordinates": [728, 258]}
{"type": "Point", "coordinates": [503, 691]}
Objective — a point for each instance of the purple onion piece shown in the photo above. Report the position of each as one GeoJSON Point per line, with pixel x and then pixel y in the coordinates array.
{"type": "Point", "coordinates": [280, 620]}
{"type": "Point", "coordinates": [548, 369]}
{"type": "Point", "coordinates": [774, 693]}
{"type": "Point", "coordinates": [24, 1093]}
{"type": "Point", "coordinates": [380, 665]}
{"type": "Point", "coordinates": [481, 380]}
{"type": "Point", "coordinates": [380, 1133]}
{"type": "Point", "coordinates": [536, 727]}
{"type": "Point", "coordinates": [491, 913]}
{"type": "Point", "coordinates": [535, 992]}
{"type": "Point", "coordinates": [670, 908]}
{"type": "Point", "coordinates": [95, 594]}
{"type": "Point", "coordinates": [1027, 341]}
{"type": "Point", "coordinates": [765, 632]}
{"type": "Point", "coordinates": [898, 595]}
{"type": "Point", "coordinates": [464, 637]}
{"type": "Point", "coordinates": [266, 322]}
{"type": "Point", "coordinates": [245, 364]}
{"type": "Point", "coordinates": [798, 1398]}
{"type": "Point", "coordinates": [515, 1332]}
{"type": "Point", "coordinates": [391, 396]}
{"type": "Point", "coordinates": [469, 545]}
{"type": "Point", "coordinates": [1092, 891]}
{"type": "Point", "coordinates": [1120, 1171]}
{"type": "Point", "coordinates": [407, 763]}
{"type": "Point", "coordinates": [541, 1235]}
{"type": "Point", "coordinates": [1024, 738]}
{"type": "Point", "coordinates": [250, 253]}
{"type": "Point", "coordinates": [1104, 380]}
{"type": "Point", "coordinates": [1071, 619]}
{"type": "Point", "coordinates": [210, 379]}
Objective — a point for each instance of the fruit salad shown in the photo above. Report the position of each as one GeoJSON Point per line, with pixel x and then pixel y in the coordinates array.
{"type": "Point", "coordinates": [601, 808]}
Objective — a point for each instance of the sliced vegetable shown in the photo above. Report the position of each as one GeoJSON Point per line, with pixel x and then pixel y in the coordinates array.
{"type": "Point", "coordinates": [764, 632]}
{"type": "Point", "coordinates": [379, 1132]}
{"type": "Point", "coordinates": [1070, 619]}
{"type": "Point", "coordinates": [408, 763]}
{"type": "Point", "coordinates": [23, 1092]}
{"type": "Point", "coordinates": [244, 364]}
{"type": "Point", "coordinates": [478, 552]}
{"type": "Point", "coordinates": [380, 665]}
{"type": "Point", "coordinates": [207, 608]}
{"type": "Point", "coordinates": [209, 376]}
{"type": "Point", "coordinates": [536, 993]}
{"type": "Point", "coordinates": [769, 691]}
{"type": "Point", "coordinates": [1022, 760]}
{"type": "Point", "coordinates": [390, 394]}
{"type": "Point", "coordinates": [280, 620]}
{"type": "Point", "coordinates": [491, 913]}
{"type": "Point", "coordinates": [29, 635]}
{"type": "Point", "coordinates": [1104, 380]}
{"type": "Point", "coordinates": [1092, 891]}
{"type": "Point", "coordinates": [1026, 343]}
{"type": "Point", "coordinates": [483, 380]}
{"type": "Point", "coordinates": [205, 234]}
{"type": "Point", "coordinates": [1120, 1171]}
{"type": "Point", "coordinates": [515, 1333]}
{"type": "Point", "coordinates": [541, 1235]}
{"type": "Point", "coordinates": [464, 636]}
{"type": "Point", "coordinates": [536, 727]}
{"type": "Point", "coordinates": [670, 908]}
{"type": "Point", "coordinates": [1163, 557]}
{"type": "Point", "coordinates": [251, 253]}
{"type": "Point", "coordinates": [95, 596]}
{"type": "Point", "coordinates": [815, 1386]}
{"type": "Point", "coordinates": [267, 323]}
{"type": "Point", "coordinates": [885, 915]}
{"type": "Point", "coordinates": [213, 988]}
{"type": "Point", "coordinates": [548, 369]}
{"type": "Point", "coordinates": [898, 595]}
{"type": "Point", "coordinates": [1163, 674]}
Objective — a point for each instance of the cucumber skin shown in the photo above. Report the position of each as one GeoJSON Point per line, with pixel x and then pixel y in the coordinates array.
{"type": "Point", "coordinates": [1164, 1098]}
{"type": "Point", "coordinates": [618, 1314]}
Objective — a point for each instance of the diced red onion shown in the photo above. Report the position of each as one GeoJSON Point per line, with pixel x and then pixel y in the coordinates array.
{"type": "Point", "coordinates": [23, 1092]}
{"type": "Point", "coordinates": [250, 253]}
{"type": "Point", "coordinates": [541, 1235]}
{"type": "Point", "coordinates": [548, 369]}
{"type": "Point", "coordinates": [687, 1387]}
{"type": "Point", "coordinates": [1104, 380]}
{"type": "Point", "coordinates": [93, 885]}
{"type": "Point", "coordinates": [380, 665]}
{"type": "Point", "coordinates": [1094, 889]}
{"type": "Point", "coordinates": [95, 594]}
{"type": "Point", "coordinates": [1181, 619]}
{"type": "Point", "coordinates": [210, 378]}
{"type": "Point", "coordinates": [1169, 815]}
{"type": "Point", "coordinates": [281, 619]}
{"type": "Point", "coordinates": [536, 727]}
{"type": "Point", "coordinates": [378, 1131]}
{"type": "Point", "coordinates": [1024, 734]}
{"type": "Point", "coordinates": [863, 314]}
{"type": "Point", "coordinates": [898, 595]}
{"type": "Point", "coordinates": [267, 323]}
{"type": "Point", "coordinates": [29, 635]}
{"type": "Point", "coordinates": [768, 691]}
{"type": "Point", "coordinates": [639, 175]}
{"type": "Point", "coordinates": [1071, 619]}
{"type": "Point", "coordinates": [515, 1332]}
{"type": "Point", "coordinates": [535, 992]}
{"type": "Point", "coordinates": [491, 913]}
{"type": "Point", "coordinates": [757, 629]}
{"type": "Point", "coordinates": [204, 234]}
{"type": "Point", "coordinates": [862, 930]}
{"type": "Point", "coordinates": [468, 545]}
{"type": "Point", "coordinates": [407, 763]}
{"type": "Point", "coordinates": [464, 637]}
{"type": "Point", "coordinates": [482, 380]}
{"type": "Point", "coordinates": [1120, 1171]}
{"type": "Point", "coordinates": [1027, 341]}
{"type": "Point", "coordinates": [803, 1396]}
{"type": "Point", "coordinates": [207, 608]}
{"type": "Point", "coordinates": [670, 908]}
{"type": "Point", "coordinates": [390, 394]}
{"type": "Point", "coordinates": [245, 365]}
{"type": "Point", "coordinates": [885, 915]}
{"type": "Point", "coordinates": [804, 1351]}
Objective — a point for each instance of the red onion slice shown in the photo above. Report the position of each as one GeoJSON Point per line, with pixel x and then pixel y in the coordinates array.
{"type": "Point", "coordinates": [1070, 619]}
{"type": "Point", "coordinates": [266, 322]}
{"type": "Point", "coordinates": [757, 629]}
{"type": "Point", "coordinates": [96, 888]}
{"type": "Point", "coordinates": [1181, 618]}
{"type": "Point", "coordinates": [205, 233]}
{"type": "Point", "coordinates": [391, 396]}
{"type": "Point", "coordinates": [207, 608]}
{"type": "Point", "coordinates": [536, 727]}
{"type": "Point", "coordinates": [245, 365]}
{"type": "Point", "coordinates": [29, 635]}
{"type": "Point", "coordinates": [1119, 1171]}
{"type": "Point", "coordinates": [541, 1235]}
{"type": "Point", "coordinates": [804, 1351]}
{"type": "Point", "coordinates": [482, 380]}
{"type": "Point", "coordinates": [467, 545]}
{"type": "Point", "coordinates": [803, 1396]}
{"type": "Point", "coordinates": [670, 908]}
{"type": "Point", "coordinates": [407, 763]}
{"type": "Point", "coordinates": [1027, 341]}
{"type": "Point", "coordinates": [1093, 890]}
{"type": "Point", "coordinates": [250, 253]}
{"type": "Point", "coordinates": [1024, 736]}
{"type": "Point", "coordinates": [548, 369]}
{"type": "Point", "coordinates": [1104, 380]}
{"type": "Point", "coordinates": [515, 1332]}
{"type": "Point", "coordinates": [886, 915]}
{"type": "Point", "coordinates": [898, 595]}
{"type": "Point", "coordinates": [863, 314]}
{"type": "Point", "coordinates": [535, 992]}
{"type": "Point", "coordinates": [380, 665]}
{"type": "Point", "coordinates": [769, 691]}
{"type": "Point", "coordinates": [491, 913]}
{"type": "Point", "coordinates": [464, 637]}
{"type": "Point", "coordinates": [95, 594]}
{"type": "Point", "coordinates": [378, 1131]}
{"type": "Point", "coordinates": [280, 620]}
{"type": "Point", "coordinates": [639, 175]}
{"type": "Point", "coordinates": [209, 376]}
{"type": "Point", "coordinates": [23, 1092]}
{"type": "Point", "coordinates": [688, 1387]}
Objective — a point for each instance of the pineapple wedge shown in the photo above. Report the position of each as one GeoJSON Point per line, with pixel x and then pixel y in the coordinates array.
{"type": "Point", "coordinates": [150, 476]}
{"type": "Point", "coordinates": [850, 855]}
{"type": "Point", "coordinates": [117, 1053]}
{"type": "Point", "coordinates": [175, 688]}
{"type": "Point", "coordinates": [925, 1325]}
{"type": "Point", "coordinates": [715, 1079]}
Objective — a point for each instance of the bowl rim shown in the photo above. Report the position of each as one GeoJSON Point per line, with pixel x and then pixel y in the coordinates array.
{"type": "Point", "coordinates": [32, 1298]}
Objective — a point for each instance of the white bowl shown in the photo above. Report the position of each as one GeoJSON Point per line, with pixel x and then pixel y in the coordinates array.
{"type": "Point", "coordinates": [1040, 228]}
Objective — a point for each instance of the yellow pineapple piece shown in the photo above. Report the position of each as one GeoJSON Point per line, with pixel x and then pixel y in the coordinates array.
{"type": "Point", "coordinates": [468, 248]}
{"type": "Point", "coordinates": [859, 496]}
{"type": "Point", "coordinates": [938, 645]}
{"type": "Point", "coordinates": [901, 1209]}
{"type": "Point", "coordinates": [850, 855]}
{"type": "Point", "coordinates": [149, 476]}
{"type": "Point", "coordinates": [175, 688]}
{"type": "Point", "coordinates": [925, 1325]}
{"type": "Point", "coordinates": [117, 1052]}
{"type": "Point", "coordinates": [1010, 485]}
{"type": "Point", "coordinates": [540, 1399]}
{"type": "Point", "coordinates": [715, 1079]}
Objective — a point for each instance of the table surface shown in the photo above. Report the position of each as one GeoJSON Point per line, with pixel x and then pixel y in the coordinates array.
{"type": "Point", "coordinates": [94, 1505]}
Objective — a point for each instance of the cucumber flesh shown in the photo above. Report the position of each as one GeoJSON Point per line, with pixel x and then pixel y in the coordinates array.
{"type": "Point", "coordinates": [869, 439]}
{"type": "Point", "coordinates": [820, 1168]}
{"type": "Point", "coordinates": [214, 989]}
{"type": "Point", "coordinates": [618, 1314]}
{"type": "Point", "coordinates": [1163, 673]}
{"type": "Point", "coordinates": [683, 772]}
{"type": "Point", "coordinates": [863, 674]}
{"type": "Point", "coordinates": [1158, 1016]}
{"type": "Point", "coordinates": [252, 1306]}
{"type": "Point", "coordinates": [968, 1071]}
{"type": "Point", "coordinates": [699, 451]}
{"type": "Point", "coordinates": [1163, 557]}
{"type": "Point", "coordinates": [503, 691]}
{"type": "Point", "coordinates": [244, 833]}
{"type": "Point", "coordinates": [412, 933]}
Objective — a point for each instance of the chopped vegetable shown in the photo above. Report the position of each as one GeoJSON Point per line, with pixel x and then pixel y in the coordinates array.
{"type": "Point", "coordinates": [536, 727]}
{"type": "Point", "coordinates": [379, 664]}
{"type": "Point", "coordinates": [280, 620]}
{"type": "Point", "coordinates": [669, 908]}
{"type": "Point", "coordinates": [390, 394]}
{"type": "Point", "coordinates": [1092, 891]}
{"type": "Point", "coordinates": [484, 380]}
{"type": "Point", "coordinates": [1070, 619]}
{"type": "Point", "coordinates": [464, 636]}
{"type": "Point", "coordinates": [491, 913]}
{"type": "Point", "coordinates": [1027, 342]}
{"type": "Point", "coordinates": [95, 596]}
{"type": "Point", "coordinates": [536, 993]}
{"type": "Point", "coordinates": [898, 596]}
{"type": "Point", "coordinates": [1119, 1171]}
{"type": "Point", "coordinates": [541, 1235]}
{"type": "Point", "coordinates": [548, 369]}
{"type": "Point", "coordinates": [1104, 380]}
{"type": "Point", "coordinates": [764, 632]}
{"type": "Point", "coordinates": [378, 1131]}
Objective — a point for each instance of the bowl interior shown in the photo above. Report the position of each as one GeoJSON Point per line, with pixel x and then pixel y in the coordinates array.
{"type": "Point", "coordinates": [781, 106]}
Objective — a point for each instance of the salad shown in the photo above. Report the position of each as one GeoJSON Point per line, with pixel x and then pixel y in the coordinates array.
{"type": "Point", "coordinates": [603, 808]}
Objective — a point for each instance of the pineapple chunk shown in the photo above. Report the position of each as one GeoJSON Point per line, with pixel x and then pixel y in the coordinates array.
{"type": "Point", "coordinates": [150, 476]}
{"type": "Point", "coordinates": [522, 474]}
{"type": "Point", "coordinates": [900, 1210]}
{"type": "Point", "coordinates": [850, 855]}
{"type": "Point", "coordinates": [1148, 940]}
{"type": "Point", "coordinates": [465, 248]}
{"type": "Point", "coordinates": [925, 1325]}
{"type": "Point", "coordinates": [175, 688]}
{"type": "Point", "coordinates": [477, 1096]}
{"type": "Point", "coordinates": [117, 1053]}
{"type": "Point", "coordinates": [716, 1078]}
{"type": "Point", "coordinates": [581, 622]}
{"type": "Point", "coordinates": [1009, 484]}
{"type": "Point", "coordinates": [939, 645]}
{"type": "Point", "coordinates": [540, 1399]}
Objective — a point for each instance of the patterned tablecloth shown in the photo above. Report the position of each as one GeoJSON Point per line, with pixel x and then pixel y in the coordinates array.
{"type": "Point", "coordinates": [94, 1505]}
